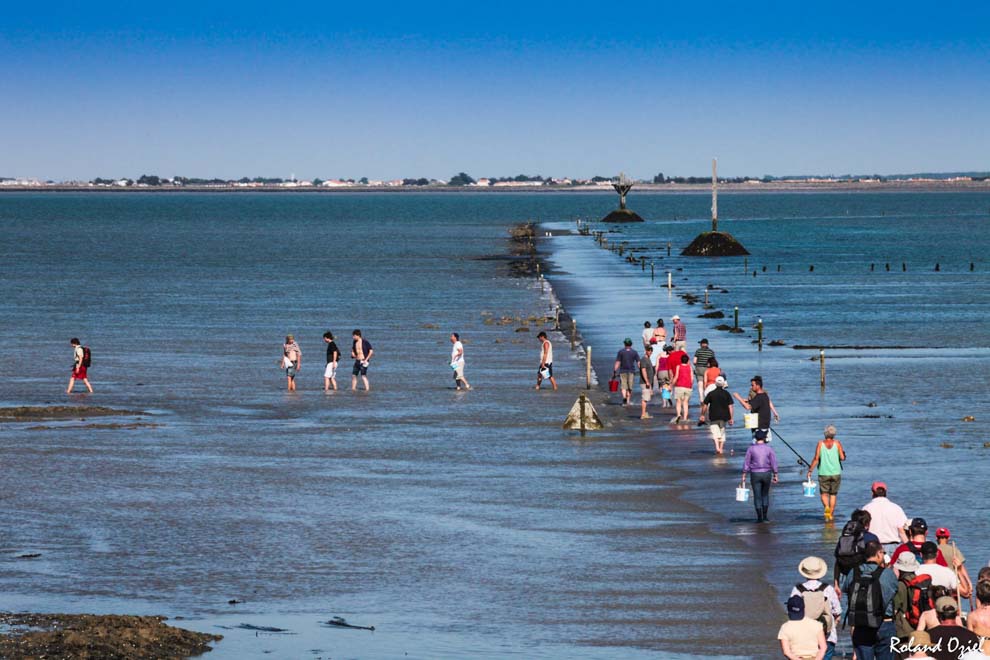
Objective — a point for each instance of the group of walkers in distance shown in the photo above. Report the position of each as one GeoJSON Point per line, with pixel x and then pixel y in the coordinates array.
{"type": "Point", "coordinates": [900, 594]}
{"type": "Point", "coordinates": [361, 353]}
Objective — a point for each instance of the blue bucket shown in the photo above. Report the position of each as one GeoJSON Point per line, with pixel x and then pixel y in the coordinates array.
{"type": "Point", "coordinates": [810, 488]}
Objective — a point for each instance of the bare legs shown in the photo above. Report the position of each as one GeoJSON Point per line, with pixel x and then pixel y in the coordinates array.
{"type": "Point", "coordinates": [72, 383]}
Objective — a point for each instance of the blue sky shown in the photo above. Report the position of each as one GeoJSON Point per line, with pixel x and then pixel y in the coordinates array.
{"type": "Point", "coordinates": [430, 89]}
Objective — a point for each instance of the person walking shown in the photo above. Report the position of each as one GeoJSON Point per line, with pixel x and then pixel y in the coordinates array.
{"type": "Point", "coordinates": [457, 361]}
{"type": "Point", "coordinates": [761, 466]}
{"type": "Point", "coordinates": [647, 334]}
{"type": "Point", "coordinates": [546, 362]}
{"type": "Point", "coordinates": [660, 333]}
{"type": "Point", "coordinates": [291, 361]}
{"type": "Point", "coordinates": [717, 409]}
{"type": "Point", "coordinates": [682, 382]}
{"type": "Point", "coordinates": [759, 402]}
{"type": "Point", "coordinates": [829, 455]}
{"type": "Point", "coordinates": [80, 366]}
{"type": "Point", "coordinates": [626, 366]}
{"type": "Point", "coordinates": [333, 357]}
{"type": "Point", "coordinates": [871, 588]}
{"type": "Point", "coordinates": [361, 352]}
{"type": "Point", "coordinates": [646, 378]}
{"type": "Point", "coordinates": [822, 598]}
{"type": "Point", "coordinates": [680, 333]}
{"type": "Point", "coordinates": [702, 357]}
{"type": "Point", "coordinates": [888, 519]}
{"type": "Point", "coordinates": [955, 559]}
{"type": "Point", "coordinates": [801, 638]}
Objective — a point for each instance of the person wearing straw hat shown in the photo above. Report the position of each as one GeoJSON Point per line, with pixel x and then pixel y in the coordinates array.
{"type": "Point", "coordinates": [917, 644]}
{"type": "Point", "coordinates": [291, 361]}
{"type": "Point", "coordinates": [829, 455]}
{"type": "Point", "coordinates": [824, 600]}
{"type": "Point", "coordinates": [801, 638]}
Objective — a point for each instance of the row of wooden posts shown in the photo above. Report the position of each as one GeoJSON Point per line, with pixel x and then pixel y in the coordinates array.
{"type": "Point", "coordinates": [602, 241]}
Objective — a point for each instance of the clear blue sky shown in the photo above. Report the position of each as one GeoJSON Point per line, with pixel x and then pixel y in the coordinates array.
{"type": "Point", "coordinates": [492, 88]}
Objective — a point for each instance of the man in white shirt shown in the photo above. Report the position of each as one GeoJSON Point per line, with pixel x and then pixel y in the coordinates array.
{"type": "Point", "coordinates": [941, 575]}
{"type": "Point", "coordinates": [888, 519]}
{"type": "Point", "coordinates": [457, 361]}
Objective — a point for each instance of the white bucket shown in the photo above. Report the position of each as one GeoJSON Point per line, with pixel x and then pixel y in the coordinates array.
{"type": "Point", "coordinates": [742, 494]}
{"type": "Point", "coordinates": [810, 488]}
{"type": "Point", "coordinates": [751, 420]}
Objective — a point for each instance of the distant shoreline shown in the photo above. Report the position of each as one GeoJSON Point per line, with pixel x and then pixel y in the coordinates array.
{"type": "Point", "coordinates": [649, 188]}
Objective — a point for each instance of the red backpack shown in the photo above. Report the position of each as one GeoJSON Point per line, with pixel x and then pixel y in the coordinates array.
{"type": "Point", "coordinates": [919, 597]}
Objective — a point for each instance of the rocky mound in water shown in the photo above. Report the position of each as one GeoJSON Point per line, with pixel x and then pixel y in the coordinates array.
{"type": "Point", "coordinates": [622, 215]}
{"type": "Point", "coordinates": [714, 244]}
{"type": "Point", "coordinates": [91, 636]}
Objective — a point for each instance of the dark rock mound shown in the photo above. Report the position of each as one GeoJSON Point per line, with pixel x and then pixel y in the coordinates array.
{"type": "Point", "coordinates": [623, 215]}
{"type": "Point", "coordinates": [714, 244]}
{"type": "Point", "coordinates": [90, 636]}
{"type": "Point", "coordinates": [712, 315]}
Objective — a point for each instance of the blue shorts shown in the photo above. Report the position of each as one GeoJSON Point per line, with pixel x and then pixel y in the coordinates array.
{"type": "Point", "coordinates": [359, 369]}
{"type": "Point", "coordinates": [291, 371]}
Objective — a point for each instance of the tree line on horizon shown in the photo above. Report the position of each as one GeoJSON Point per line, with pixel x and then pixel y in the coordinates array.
{"type": "Point", "coordinates": [463, 179]}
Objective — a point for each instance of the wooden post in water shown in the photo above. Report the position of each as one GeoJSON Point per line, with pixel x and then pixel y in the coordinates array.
{"type": "Point", "coordinates": [584, 401]}
{"type": "Point", "coordinates": [759, 335]}
{"type": "Point", "coordinates": [587, 366]}
{"type": "Point", "coordinates": [652, 271]}
{"type": "Point", "coordinates": [821, 361]}
{"type": "Point", "coordinates": [670, 283]}
{"type": "Point", "coordinates": [573, 333]}
{"type": "Point", "coordinates": [735, 323]}
{"type": "Point", "coordinates": [668, 248]}
{"type": "Point", "coordinates": [706, 296]}
{"type": "Point", "coordinates": [556, 318]}
{"type": "Point", "coordinates": [642, 263]}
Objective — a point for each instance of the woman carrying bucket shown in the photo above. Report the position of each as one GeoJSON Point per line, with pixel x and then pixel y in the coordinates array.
{"type": "Point", "coordinates": [828, 458]}
{"type": "Point", "coordinates": [760, 464]}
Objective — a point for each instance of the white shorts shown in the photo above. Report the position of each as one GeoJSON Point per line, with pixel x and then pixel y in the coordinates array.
{"type": "Point", "coordinates": [330, 371]}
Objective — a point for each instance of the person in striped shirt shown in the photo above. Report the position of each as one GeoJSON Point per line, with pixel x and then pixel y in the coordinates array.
{"type": "Point", "coordinates": [701, 358]}
{"type": "Point", "coordinates": [680, 333]}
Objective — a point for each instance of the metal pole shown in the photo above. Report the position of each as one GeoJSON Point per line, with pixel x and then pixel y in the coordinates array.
{"type": "Point", "coordinates": [583, 400]}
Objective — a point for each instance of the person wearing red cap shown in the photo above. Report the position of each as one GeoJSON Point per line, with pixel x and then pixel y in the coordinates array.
{"type": "Point", "coordinates": [955, 559]}
{"type": "Point", "coordinates": [918, 532]}
{"type": "Point", "coordinates": [888, 519]}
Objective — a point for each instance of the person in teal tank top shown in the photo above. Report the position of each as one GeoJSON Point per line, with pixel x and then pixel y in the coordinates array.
{"type": "Point", "coordinates": [828, 459]}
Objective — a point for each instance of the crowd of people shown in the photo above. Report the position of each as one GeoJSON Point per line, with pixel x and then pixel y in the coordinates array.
{"type": "Point", "coordinates": [895, 592]}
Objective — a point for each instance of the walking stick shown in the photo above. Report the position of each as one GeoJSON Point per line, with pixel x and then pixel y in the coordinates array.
{"type": "Point", "coordinates": [955, 569]}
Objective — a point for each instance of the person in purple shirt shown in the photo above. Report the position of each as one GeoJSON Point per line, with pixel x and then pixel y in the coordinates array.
{"type": "Point", "coordinates": [761, 465]}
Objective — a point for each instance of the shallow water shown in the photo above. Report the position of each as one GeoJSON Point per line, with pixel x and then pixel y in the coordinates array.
{"type": "Point", "coordinates": [459, 524]}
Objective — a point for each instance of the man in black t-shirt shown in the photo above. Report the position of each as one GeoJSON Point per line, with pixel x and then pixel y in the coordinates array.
{"type": "Point", "coordinates": [333, 356]}
{"type": "Point", "coordinates": [717, 409]}
{"type": "Point", "coordinates": [759, 402]}
{"type": "Point", "coordinates": [950, 640]}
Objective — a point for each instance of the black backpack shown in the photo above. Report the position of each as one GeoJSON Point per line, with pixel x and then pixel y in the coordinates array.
{"type": "Point", "coordinates": [866, 606]}
{"type": "Point", "coordinates": [849, 551]}
{"type": "Point", "coordinates": [87, 357]}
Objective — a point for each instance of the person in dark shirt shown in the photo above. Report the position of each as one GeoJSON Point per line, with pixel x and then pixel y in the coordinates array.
{"type": "Point", "coordinates": [951, 641]}
{"type": "Point", "coordinates": [333, 356]}
{"type": "Point", "coordinates": [717, 409]}
{"type": "Point", "coordinates": [626, 366]}
{"type": "Point", "coordinates": [759, 402]}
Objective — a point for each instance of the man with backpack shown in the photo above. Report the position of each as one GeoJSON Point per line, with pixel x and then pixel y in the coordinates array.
{"type": "Point", "coordinates": [80, 364]}
{"type": "Point", "coordinates": [821, 602]}
{"type": "Point", "coordinates": [913, 596]}
{"type": "Point", "coordinates": [871, 588]}
{"type": "Point", "coordinates": [852, 543]}
{"type": "Point", "coordinates": [917, 532]}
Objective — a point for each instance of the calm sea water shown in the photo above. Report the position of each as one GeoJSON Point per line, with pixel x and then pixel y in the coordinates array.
{"type": "Point", "coordinates": [460, 524]}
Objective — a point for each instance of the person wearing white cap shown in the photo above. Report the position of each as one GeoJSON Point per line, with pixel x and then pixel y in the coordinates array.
{"type": "Point", "coordinates": [680, 333]}
{"type": "Point", "coordinates": [717, 409]}
{"type": "Point", "coordinates": [827, 605]}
